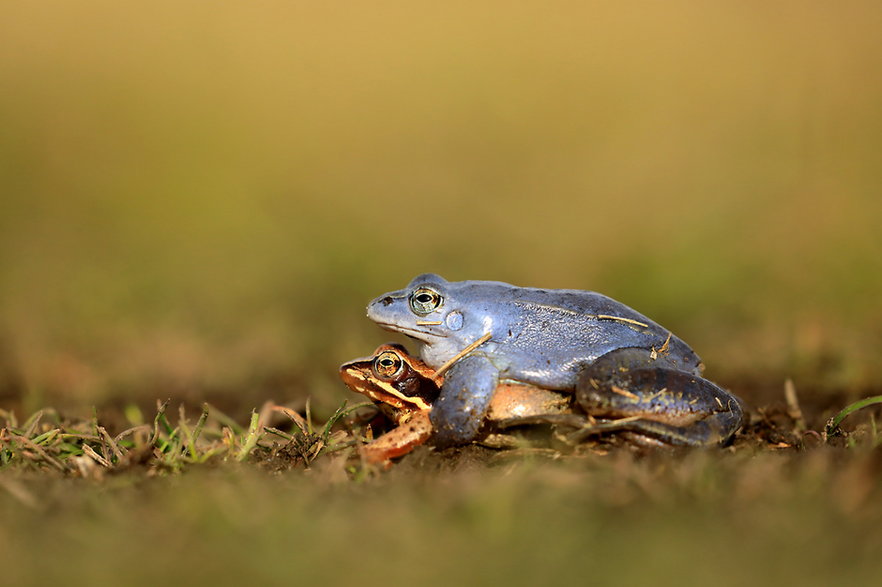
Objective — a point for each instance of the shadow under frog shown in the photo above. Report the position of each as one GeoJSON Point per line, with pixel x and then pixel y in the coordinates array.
{"type": "Point", "coordinates": [483, 333]}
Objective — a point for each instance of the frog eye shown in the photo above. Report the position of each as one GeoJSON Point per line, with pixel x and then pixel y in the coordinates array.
{"type": "Point", "coordinates": [387, 365]}
{"type": "Point", "coordinates": [425, 300]}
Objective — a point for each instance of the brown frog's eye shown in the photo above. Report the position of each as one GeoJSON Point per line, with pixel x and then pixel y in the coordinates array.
{"type": "Point", "coordinates": [425, 300]}
{"type": "Point", "coordinates": [388, 365]}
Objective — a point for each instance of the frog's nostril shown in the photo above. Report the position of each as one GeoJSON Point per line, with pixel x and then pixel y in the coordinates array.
{"type": "Point", "coordinates": [387, 300]}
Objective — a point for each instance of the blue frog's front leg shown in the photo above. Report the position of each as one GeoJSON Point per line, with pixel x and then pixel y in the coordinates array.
{"type": "Point", "coordinates": [459, 411]}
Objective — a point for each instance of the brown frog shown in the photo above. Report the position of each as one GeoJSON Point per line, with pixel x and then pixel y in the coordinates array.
{"type": "Point", "coordinates": [405, 388]}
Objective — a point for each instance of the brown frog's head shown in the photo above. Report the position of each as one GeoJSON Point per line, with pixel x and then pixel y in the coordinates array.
{"type": "Point", "coordinates": [393, 378]}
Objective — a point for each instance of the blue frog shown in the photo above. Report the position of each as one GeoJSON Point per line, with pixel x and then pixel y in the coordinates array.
{"type": "Point", "coordinates": [619, 363]}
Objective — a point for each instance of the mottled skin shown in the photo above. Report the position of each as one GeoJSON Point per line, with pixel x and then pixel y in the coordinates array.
{"type": "Point", "coordinates": [546, 338]}
{"type": "Point", "coordinates": [651, 405]}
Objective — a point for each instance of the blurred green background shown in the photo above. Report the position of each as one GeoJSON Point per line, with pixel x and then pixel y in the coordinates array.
{"type": "Point", "coordinates": [198, 202]}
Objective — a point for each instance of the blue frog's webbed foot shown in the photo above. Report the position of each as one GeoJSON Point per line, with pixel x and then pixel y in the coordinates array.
{"type": "Point", "coordinates": [639, 394]}
{"type": "Point", "coordinates": [458, 413]}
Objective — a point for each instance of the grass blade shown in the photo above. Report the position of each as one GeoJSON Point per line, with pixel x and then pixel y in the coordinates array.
{"type": "Point", "coordinates": [341, 412]}
{"type": "Point", "coordinates": [832, 427]}
{"type": "Point", "coordinates": [252, 437]}
{"type": "Point", "coordinates": [160, 415]}
{"type": "Point", "coordinates": [200, 424]}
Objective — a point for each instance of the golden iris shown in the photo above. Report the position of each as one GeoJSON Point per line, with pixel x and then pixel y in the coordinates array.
{"type": "Point", "coordinates": [387, 365]}
{"type": "Point", "coordinates": [425, 300]}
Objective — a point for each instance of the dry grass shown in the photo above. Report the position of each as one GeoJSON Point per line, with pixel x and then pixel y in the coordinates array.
{"type": "Point", "coordinates": [46, 442]}
{"type": "Point", "coordinates": [180, 504]}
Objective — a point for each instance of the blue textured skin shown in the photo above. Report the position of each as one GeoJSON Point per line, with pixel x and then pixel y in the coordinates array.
{"type": "Point", "coordinates": [459, 411]}
{"type": "Point", "coordinates": [541, 337]}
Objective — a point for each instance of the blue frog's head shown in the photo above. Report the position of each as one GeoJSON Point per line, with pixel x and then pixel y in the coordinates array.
{"type": "Point", "coordinates": [446, 316]}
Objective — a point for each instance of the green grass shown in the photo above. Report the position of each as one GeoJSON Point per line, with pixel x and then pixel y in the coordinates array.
{"type": "Point", "coordinates": [218, 501]}
{"type": "Point", "coordinates": [48, 443]}
{"type": "Point", "coordinates": [729, 516]}
{"type": "Point", "coordinates": [832, 427]}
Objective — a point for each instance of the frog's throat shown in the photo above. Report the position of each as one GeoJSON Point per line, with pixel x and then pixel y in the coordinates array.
{"type": "Point", "coordinates": [437, 377]}
{"type": "Point", "coordinates": [412, 332]}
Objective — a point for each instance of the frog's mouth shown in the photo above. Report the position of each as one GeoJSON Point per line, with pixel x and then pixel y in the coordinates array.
{"type": "Point", "coordinates": [360, 380]}
{"type": "Point", "coordinates": [418, 334]}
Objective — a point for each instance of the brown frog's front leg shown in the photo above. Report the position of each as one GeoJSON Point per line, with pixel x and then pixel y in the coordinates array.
{"type": "Point", "coordinates": [641, 394]}
{"type": "Point", "coordinates": [399, 441]}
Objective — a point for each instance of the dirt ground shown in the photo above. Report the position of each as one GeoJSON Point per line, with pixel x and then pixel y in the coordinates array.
{"type": "Point", "coordinates": [778, 504]}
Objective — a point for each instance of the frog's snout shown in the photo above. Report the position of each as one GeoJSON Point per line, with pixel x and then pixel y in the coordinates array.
{"type": "Point", "coordinates": [380, 302]}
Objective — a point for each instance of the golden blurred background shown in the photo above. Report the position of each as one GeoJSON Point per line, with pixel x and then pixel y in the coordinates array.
{"type": "Point", "coordinates": [199, 202]}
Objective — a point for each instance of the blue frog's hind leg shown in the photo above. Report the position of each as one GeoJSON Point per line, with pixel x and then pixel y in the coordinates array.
{"type": "Point", "coordinates": [639, 394]}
